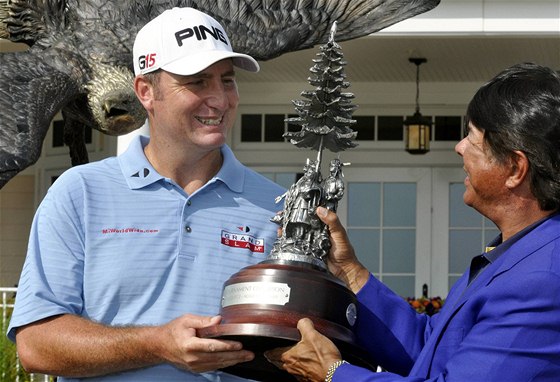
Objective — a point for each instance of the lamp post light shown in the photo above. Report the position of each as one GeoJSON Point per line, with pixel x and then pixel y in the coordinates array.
{"type": "Point", "coordinates": [417, 127]}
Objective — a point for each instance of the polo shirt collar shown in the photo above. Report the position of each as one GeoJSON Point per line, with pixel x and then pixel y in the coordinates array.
{"type": "Point", "coordinates": [135, 167]}
{"type": "Point", "coordinates": [496, 247]}
{"type": "Point", "coordinates": [232, 172]}
{"type": "Point", "coordinates": [139, 173]}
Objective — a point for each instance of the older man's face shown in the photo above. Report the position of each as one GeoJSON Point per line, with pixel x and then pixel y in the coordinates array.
{"type": "Point", "coordinates": [485, 182]}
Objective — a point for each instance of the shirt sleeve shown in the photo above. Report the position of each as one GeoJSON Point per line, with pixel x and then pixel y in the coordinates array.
{"type": "Point", "coordinates": [51, 280]}
{"type": "Point", "coordinates": [389, 328]}
{"type": "Point", "coordinates": [348, 372]}
{"type": "Point", "coordinates": [503, 334]}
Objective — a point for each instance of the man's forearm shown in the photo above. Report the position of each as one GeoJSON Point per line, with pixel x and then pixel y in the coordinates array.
{"type": "Point", "coordinates": [72, 346]}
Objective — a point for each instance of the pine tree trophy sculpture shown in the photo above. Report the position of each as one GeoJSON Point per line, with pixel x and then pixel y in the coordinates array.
{"type": "Point", "coordinates": [261, 304]}
{"type": "Point", "coordinates": [325, 118]}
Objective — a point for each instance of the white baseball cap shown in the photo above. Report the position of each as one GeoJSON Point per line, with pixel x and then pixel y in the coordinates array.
{"type": "Point", "coordinates": [184, 41]}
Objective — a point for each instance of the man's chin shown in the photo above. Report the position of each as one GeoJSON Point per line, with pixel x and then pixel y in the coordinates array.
{"type": "Point", "coordinates": [467, 199]}
{"type": "Point", "coordinates": [212, 141]}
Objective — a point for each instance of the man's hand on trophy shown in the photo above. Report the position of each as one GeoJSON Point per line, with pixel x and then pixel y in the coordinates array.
{"type": "Point", "coordinates": [342, 260]}
{"type": "Point", "coordinates": [181, 346]}
{"type": "Point", "coordinates": [310, 359]}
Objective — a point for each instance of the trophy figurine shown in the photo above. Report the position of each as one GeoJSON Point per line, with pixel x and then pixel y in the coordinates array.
{"type": "Point", "coordinates": [261, 304]}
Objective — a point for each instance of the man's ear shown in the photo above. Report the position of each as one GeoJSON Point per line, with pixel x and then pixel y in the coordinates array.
{"type": "Point", "coordinates": [144, 91]}
{"type": "Point", "coordinates": [519, 165]}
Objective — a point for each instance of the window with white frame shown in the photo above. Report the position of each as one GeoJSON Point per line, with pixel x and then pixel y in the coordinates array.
{"type": "Point", "coordinates": [269, 127]}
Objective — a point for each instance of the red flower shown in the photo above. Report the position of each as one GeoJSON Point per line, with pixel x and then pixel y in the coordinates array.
{"type": "Point", "coordinates": [426, 305]}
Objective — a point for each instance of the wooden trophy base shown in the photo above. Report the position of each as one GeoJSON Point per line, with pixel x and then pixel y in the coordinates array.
{"type": "Point", "coordinates": [261, 305]}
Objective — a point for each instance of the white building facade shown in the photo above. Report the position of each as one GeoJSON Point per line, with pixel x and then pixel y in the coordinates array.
{"type": "Point", "coordinates": [404, 212]}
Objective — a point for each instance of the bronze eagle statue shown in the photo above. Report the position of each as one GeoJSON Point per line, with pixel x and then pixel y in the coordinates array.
{"type": "Point", "coordinates": [79, 60]}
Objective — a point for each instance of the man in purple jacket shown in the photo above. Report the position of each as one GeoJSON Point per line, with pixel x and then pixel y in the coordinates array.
{"type": "Point", "coordinates": [501, 320]}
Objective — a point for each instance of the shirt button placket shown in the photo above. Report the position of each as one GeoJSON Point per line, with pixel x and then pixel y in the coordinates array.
{"type": "Point", "coordinates": [188, 228]}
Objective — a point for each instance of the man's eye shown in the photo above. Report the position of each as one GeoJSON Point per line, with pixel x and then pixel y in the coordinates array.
{"type": "Point", "coordinates": [195, 82]}
{"type": "Point", "coordinates": [465, 131]}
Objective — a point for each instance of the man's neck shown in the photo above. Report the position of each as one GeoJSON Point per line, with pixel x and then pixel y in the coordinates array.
{"type": "Point", "coordinates": [189, 169]}
{"type": "Point", "coordinates": [519, 220]}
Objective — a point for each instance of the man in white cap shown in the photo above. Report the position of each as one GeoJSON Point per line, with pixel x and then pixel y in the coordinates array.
{"type": "Point", "coordinates": [128, 256]}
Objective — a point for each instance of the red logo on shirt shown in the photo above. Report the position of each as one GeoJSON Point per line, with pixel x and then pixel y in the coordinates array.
{"type": "Point", "coordinates": [128, 230]}
{"type": "Point", "coordinates": [237, 240]}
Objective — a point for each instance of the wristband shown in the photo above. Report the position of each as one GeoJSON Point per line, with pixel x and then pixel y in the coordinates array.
{"type": "Point", "coordinates": [332, 369]}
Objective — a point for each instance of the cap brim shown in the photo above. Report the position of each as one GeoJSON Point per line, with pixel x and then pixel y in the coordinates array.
{"type": "Point", "coordinates": [196, 63]}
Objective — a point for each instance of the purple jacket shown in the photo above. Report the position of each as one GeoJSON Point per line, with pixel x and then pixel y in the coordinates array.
{"type": "Point", "coordinates": [504, 327]}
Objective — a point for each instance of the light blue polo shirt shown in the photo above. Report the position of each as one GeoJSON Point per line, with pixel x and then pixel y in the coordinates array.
{"type": "Point", "coordinates": [115, 242]}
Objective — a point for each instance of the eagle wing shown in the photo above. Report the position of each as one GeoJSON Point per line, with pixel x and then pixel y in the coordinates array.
{"type": "Point", "coordinates": [266, 29]}
{"type": "Point", "coordinates": [30, 96]}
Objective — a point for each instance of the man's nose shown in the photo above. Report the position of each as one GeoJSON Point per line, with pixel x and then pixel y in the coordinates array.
{"type": "Point", "coordinates": [217, 97]}
{"type": "Point", "coordinates": [460, 146]}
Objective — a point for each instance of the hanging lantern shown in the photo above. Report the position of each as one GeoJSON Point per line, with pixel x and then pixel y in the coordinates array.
{"type": "Point", "coordinates": [417, 127]}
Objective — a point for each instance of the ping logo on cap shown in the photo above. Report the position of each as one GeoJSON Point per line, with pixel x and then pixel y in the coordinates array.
{"type": "Point", "coordinates": [201, 32]}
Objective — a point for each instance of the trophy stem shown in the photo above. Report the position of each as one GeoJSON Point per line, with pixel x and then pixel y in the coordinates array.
{"type": "Point", "coordinates": [319, 155]}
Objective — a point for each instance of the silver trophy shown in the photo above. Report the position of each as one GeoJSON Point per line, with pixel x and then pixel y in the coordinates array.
{"type": "Point", "coordinates": [262, 303]}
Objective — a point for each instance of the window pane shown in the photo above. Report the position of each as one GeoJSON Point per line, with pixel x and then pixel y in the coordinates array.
{"type": "Point", "coordinates": [448, 129]}
{"type": "Point", "coordinates": [58, 134]}
{"type": "Point", "coordinates": [461, 215]}
{"type": "Point", "coordinates": [401, 285]}
{"type": "Point", "coordinates": [274, 127]}
{"type": "Point", "coordinates": [490, 234]}
{"type": "Point", "coordinates": [251, 128]}
{"type": "Point", "coordinates": [364, 204]}
{"type": "Point", "coordinates": [292, 127]}
{"type": "Point", "coordinates": [469, 233]}
{"type": "Point", "coordinates": [269, 175]}
{"type": "Point", "coordinates": [463, 246]}
{"type": "Point", "coordinates": [365, 126]}
{"type": "Point", "coordinates": [383, 230]}
{"type": "Point", "coordinates": [453, 280]}
{"type": "Point", "coordinates": [88, 134]}
{"type": "Point", "coordinates": [286, 179]}
{"type": "Point", "coordinates": [400, 200]}
{"type": "Point", "coordinates": [366, 245]}
{"type": "Point", "coordinates": [399, 248]}
{"type": "Point", "coordinates": [389, 128]}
